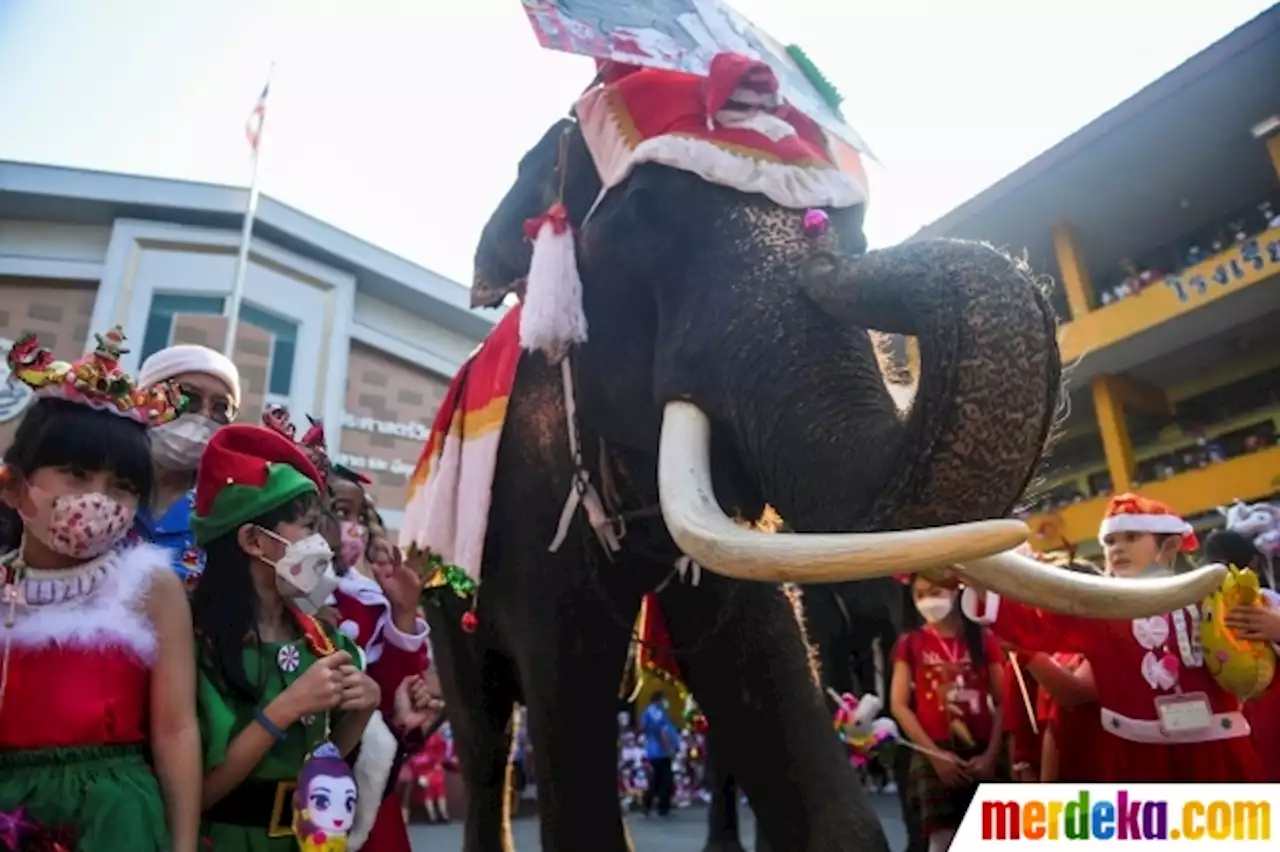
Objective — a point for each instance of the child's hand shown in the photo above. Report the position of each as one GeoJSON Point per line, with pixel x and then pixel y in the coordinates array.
{"type": "Point", "coordinates": [416, 703]}
{"type": "Point", "coordinates": [360, 692]}
{"type": "Point", "coordinates": [951, 770]}
{"type": "Point", "coordinates": [1255, 623]}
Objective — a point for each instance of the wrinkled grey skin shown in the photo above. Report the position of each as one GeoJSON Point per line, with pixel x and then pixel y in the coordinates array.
{"type": "Point", "coordinates": [695, 291]}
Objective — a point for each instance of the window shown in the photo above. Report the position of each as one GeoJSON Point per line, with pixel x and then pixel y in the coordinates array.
{"type": "Point", "coordinates": [280, 376]}
{"type": "Point", "coordinates": [159, 333]}
{"type": "Point", "coordinates": [160, 321]}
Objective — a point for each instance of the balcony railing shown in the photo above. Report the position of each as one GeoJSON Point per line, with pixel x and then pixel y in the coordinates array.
{"type": "Point", "coordinates": [1247, 477]}
{"type": "Point", "coordinates": [1242, 265]}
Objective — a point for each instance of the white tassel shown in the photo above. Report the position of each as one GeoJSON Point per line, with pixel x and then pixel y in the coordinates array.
{"type": "Point", "coordinates": [552, 318]}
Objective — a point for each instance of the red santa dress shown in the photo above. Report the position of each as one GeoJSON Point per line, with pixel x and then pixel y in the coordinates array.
{"type": "Point", "coordinates": [391, 656]}
{"type": "Point", "coordinates": [1165, 718]}
{"type": "Point", "coordinates": [74, 725]}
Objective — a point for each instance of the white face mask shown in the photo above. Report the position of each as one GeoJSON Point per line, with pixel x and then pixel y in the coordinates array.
{"type": "Point", "coordinates": [933, 609]}
{"type": "Point", "coordinates": [179, 444]}
{"type": "Point", "coordinates": [304, 574]}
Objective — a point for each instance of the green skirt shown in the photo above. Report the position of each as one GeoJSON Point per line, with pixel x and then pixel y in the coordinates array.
{"type": "Point", "coordinates": [102, 798]}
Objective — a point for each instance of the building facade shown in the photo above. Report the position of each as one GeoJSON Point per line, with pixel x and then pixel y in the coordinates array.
{"type": "Point", "coordinates": [330, 326]}
{"type": "Point", "coordinates": [1160, 222]}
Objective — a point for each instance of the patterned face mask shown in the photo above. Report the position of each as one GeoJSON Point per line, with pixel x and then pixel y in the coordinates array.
{"type": "Point", "coordinates": [81, 526]}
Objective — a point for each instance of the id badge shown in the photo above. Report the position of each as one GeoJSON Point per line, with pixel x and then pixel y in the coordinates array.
{"type": "Point", "coordinates": [1185, 713]}
{"type": "Point", "coordinates": [964, 698]}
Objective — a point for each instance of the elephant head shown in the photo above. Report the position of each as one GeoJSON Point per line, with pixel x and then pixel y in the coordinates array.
{"type": "Point", "coordinates": [735, 348]}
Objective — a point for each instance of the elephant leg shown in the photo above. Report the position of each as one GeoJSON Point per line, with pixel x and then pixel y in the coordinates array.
{"type": "Point", "coordinates": [479, 696]}
{"type": "Point", "coordinates": [722, 813]}
{"type": "Point", "coordinates": [570, 653]}
{"type": "Point", "coordinates": [750, 669]}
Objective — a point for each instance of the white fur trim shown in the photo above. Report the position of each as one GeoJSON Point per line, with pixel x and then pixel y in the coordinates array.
{"type": "Point", "coordinates": [449, 513]}
{"type": "Point", "coordinates": [751, 97]}
{"type": "Point", "coordinates": [766, 124]}
{"type": "Point", "coordinates": [990, 607]}
{"type": "Point", "coordinates": [796, 187]}
{"type": "Point", "coordinates": [113, 615]}
{"type": "Point", "coordinates": [406, 641]}
{"type": "Point", "coordinates": [552, 316]}
{"type": "Point", "coordinates": [378, 747]}
{"type": "Point", "coordinates": [1161, 524]}
{"type": "Point", "coordinates": [350, 629]}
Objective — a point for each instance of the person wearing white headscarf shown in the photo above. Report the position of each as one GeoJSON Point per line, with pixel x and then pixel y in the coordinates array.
{"type": "Point", "coordinates": [210, 385]}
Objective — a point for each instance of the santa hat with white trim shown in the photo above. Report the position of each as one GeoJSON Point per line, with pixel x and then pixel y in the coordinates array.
{"type": "Point", "coordinates": [1138, 514]}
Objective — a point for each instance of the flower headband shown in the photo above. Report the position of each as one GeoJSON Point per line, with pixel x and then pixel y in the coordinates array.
{"type": "Point", "coordinates": [311, 443]}
{"type": "Point", "coordinates": [95, 380]}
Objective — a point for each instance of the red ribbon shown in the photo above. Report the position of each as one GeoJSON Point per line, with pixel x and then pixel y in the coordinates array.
{"type": "Point", "coordinates": [557, 217]}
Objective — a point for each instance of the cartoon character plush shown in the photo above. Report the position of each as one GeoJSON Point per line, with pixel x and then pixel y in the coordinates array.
{"type": "Point", "coordinates": [859, 724]}
{"type": "Point", "coordinates": [1260, 522]}
{"type": "Point", "coordinates": [324, 803]}
{"type": "Point", "coordinates": [1242, 667]}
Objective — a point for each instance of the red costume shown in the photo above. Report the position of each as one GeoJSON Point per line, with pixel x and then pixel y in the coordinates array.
{"type": "Point", "coordinates": [1076, 732]}
{"type": "Point", "coordinates": [391, 656]}
{"type": "Point", "coordinates": [1164, 716]}
{"type": "Point", "coordinates": [428, 767]}
{"type": "Point", "coordinates": [950, 693]}
{"type": "Point", "coordinates": [1135, 663]}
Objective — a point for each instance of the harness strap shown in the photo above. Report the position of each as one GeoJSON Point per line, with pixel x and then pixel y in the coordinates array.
{"type": "Point", "coordinates": [583, 493]}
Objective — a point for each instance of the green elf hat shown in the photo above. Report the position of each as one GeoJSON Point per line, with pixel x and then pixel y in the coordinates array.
{"type": "Point", "coordinates": [245, 472]}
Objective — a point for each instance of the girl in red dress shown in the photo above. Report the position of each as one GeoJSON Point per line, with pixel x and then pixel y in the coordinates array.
{"type": "Point", "coordinates": [945, 695]}
{"type": "Point", "coordinates": [1165, 717]}
{"type": "Point", "coordinates": [99, 744]}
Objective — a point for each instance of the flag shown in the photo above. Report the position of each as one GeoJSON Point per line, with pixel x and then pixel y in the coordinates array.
{"type": "Point", "coordinates": [253, 127]}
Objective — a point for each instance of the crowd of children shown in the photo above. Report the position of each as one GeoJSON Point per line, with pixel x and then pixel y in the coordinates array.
{"type": "Point", "coordinates": [688, 765]}
{"type": "Point", "coordinates": [207, 639]}
{"type": "Point", "coordinates": [1067, 698]}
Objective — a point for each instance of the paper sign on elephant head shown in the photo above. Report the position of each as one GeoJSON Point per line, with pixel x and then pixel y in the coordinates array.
{"type": "Point", "coordinates": [680, 35]}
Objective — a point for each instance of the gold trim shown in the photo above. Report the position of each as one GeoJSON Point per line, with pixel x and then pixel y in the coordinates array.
{"type": "Point", "coordinates": [284, 790]}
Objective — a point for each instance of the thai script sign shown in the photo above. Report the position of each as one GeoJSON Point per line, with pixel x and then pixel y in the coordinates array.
{"type": "Point", "coordinates": [1244, 259]}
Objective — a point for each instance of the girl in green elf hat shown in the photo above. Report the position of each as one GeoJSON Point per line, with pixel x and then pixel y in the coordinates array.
{"type": "Point", "coordinates": [274, 683]}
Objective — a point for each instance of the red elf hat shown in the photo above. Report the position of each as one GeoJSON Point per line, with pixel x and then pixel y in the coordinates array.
{"type": "Point", "coordinates": [245, 472]}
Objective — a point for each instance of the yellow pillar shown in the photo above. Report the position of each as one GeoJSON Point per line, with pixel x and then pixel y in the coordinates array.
{"type": "Point", "coordinates": [1273, 148]}
{"type": "Point", "coordinates": [1115, 434]}
{"type": "Point", "coordinates": [1137, 395]}
{"type": "Point", "coordinates": [1071, 265]}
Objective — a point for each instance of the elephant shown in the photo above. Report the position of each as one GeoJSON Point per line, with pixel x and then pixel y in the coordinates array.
{"type": "Point", "coordinates": [729, 366]}
{"type": "Point", "coordinates": [842, 621]}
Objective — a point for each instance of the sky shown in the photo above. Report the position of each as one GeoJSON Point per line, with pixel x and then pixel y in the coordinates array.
{"type": "Point", "coordinates": [402, 121]}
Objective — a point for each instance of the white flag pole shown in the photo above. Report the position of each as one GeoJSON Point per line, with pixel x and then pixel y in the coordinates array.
{"type": "Point", "coordinates": [246, 235]}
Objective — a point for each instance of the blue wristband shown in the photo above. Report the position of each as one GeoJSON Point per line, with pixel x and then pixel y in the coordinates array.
{"type": "Point", "coordinates": [270, 726]}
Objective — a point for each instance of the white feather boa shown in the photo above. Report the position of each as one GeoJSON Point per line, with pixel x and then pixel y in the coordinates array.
{"type": "Point", "coordinates": [378, 748]}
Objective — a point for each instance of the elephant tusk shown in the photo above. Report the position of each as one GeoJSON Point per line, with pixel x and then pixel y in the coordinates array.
{"type": "Point", "coordinates": [1070, 593]}
{"type": "Point", "coordinates": [709, 537]}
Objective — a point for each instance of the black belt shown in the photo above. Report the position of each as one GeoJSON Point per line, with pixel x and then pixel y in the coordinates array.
{"type": "Point", "coordinates": [257, 804]}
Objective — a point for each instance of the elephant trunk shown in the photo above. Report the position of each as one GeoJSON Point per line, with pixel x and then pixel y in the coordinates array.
{"type": "Point", "coordinates": [990, 372]}
{"type": "Point", "coordinates": [987, 397]}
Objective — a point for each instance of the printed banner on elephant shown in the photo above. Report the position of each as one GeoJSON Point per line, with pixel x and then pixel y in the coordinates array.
{"type": "Point", "coordinates": [679, 35]}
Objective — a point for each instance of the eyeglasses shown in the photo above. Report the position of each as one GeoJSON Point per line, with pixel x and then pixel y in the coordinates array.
{"type": "Point", "coordinates": [217, 407]}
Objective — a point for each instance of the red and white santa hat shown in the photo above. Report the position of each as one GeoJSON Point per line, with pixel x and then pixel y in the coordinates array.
{"type": "Point", "coordinates": [1135, 513]}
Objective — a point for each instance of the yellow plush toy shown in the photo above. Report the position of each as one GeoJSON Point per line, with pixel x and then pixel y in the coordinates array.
{"type": "Point", "coordinates": [1239, 666]}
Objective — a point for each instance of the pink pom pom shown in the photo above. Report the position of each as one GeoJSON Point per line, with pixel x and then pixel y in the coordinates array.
{"type": "Point", "coordinates": [816, 222]}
